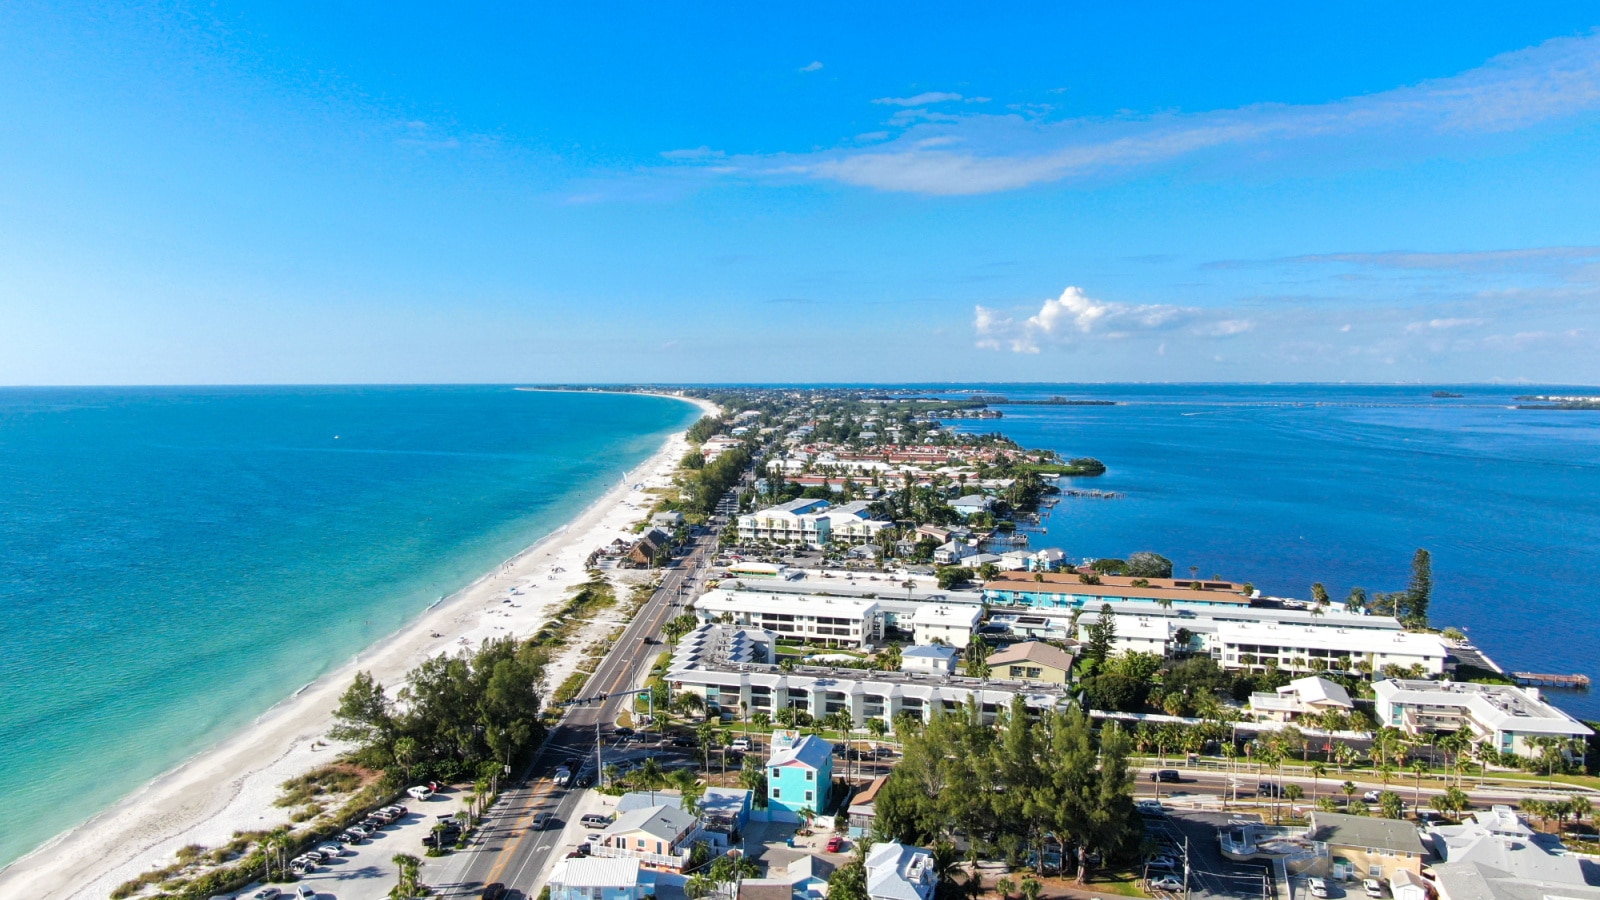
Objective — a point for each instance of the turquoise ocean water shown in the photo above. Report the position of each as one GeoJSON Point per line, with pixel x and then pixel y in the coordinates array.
{"type": "Point", "coordinates": [175, 561]}
{"type": "Point", "coordinates": [1284, 485]}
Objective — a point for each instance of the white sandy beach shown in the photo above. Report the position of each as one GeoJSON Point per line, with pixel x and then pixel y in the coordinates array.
{"type": "Point", "coordinates": [231, 787]}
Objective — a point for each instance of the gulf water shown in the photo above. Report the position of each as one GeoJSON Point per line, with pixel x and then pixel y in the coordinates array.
{"type": "Point", "coordinates": [1286, 485]}
{"type": "Point", "coordinates": [173, 562]}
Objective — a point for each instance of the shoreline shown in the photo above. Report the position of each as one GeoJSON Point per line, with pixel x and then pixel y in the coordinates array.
{"type": "Point", "coordinates": [231, 785]}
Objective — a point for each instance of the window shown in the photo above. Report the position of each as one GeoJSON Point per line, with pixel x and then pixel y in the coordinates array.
{"type": "Point", "coordinates": [1034, 672]}
{"type": "Point", "coordinates": [811, 776]}
{"type": "Point", "coordinates": [641, 843]}
{"type": "Point", "coordinates": [775, 794]}
{"type": "Point", "coordinates": [808, 795]}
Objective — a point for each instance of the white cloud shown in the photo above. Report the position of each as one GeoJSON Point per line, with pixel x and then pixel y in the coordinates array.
{"type": "Point", "coordinates": [1006, 151]}
{"type": "Point", "coordinates": [922, 99]}
{"type": "Point", "coordinates": [813, 66]}
{"type": "Point", "coordinates": [701, 152]}
{"type": "Point", "coordinates": [1071, 316]}
{"type": "Point", "coordinates": [1441, 324]}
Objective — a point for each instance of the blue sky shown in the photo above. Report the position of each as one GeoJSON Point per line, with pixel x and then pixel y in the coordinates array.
{"type": "Point", "coordinates": [297, 192]}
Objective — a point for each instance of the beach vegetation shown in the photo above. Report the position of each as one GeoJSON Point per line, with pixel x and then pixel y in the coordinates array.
{"type": "Point", "coordinates": [452, 714]}
{"type": "Point", "coordinates": [704, 428]}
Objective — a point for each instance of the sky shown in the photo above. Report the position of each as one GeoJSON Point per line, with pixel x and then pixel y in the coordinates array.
{"type": "Point", "coordinates": [333, 193]}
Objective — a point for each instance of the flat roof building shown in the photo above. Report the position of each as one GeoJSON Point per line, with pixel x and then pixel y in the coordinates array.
{"type": "Point", "coordinates": [1504, 716]}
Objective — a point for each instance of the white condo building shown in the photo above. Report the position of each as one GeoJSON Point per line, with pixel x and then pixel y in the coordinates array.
{"type": "Point", "coordinates": [1505, 716]}
{"type": "Point", "coordinates": [812, 522]}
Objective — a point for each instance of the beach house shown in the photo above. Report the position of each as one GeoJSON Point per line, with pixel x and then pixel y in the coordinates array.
{"type": "Point", "coordinates": [896, 871]}
{"type": "Point", "coordinates": [799, 777]}
{"type": "Point", "coordinates": [659, 836]}
{"type": "Point", "coordinates": [1311, 695]}
{"type": "Point", "coordinates": [944, 623]}
{"type": "Point", "coordinates": [932, 659]}
{"type": "Point", "coordinates": [593, 878]}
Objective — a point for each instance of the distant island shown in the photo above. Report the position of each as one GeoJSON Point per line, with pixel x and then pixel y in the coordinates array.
{"type": "Point", "coordinates": [994, 400]}
{"type": "Point", "coordinates": [1446, 395]}
{"type": "Point", "coordinates": [1553, 401]}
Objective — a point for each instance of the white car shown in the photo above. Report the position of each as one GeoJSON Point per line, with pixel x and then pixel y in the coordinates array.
{"type": "Point", "coordinates": [420, 792]}
{"type": "Point", "coordinates": [1319, 888]}
{"type": "Point", "coordinates": [740, 744]}
{"type": "Point", "coordinates": [1372, 886]}
{"type": "Point", "coordinates": [304, 892]}
{"type": "Point", "coordinates": [331, 851]}
{"type": "Point", "coordinates": [267, 893]}
{"type": "Point", "coordinates": [1170, 883]}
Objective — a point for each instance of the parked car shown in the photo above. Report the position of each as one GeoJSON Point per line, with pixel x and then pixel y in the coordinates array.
{"type": "Point", "coordinates": [1170, 883]}
{"type": "Point", "coordinates": [305, 892]}
{"type": "Point", "coordinates": [332, 851]}
{"type": "Point", "coordinates": [595, 820]}
{"type": "Point", "coordinates": [835, 844]}
{"type": "Point", "coordinates": [1150, 808]}
{"type": "Point", "coordinates": [579, 852]}
{"type": "Point", "coordinates": [420, 792]}
{"type": "Point", "coordinates": [1319, 888]}
{"type": "Point", "coordinates": [1372, 886]}
{"type": "Point", "coordinates": [267, 893]}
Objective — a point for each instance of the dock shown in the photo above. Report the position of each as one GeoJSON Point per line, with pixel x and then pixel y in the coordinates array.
{"type": "Point", "coordinates": [1542, 680]}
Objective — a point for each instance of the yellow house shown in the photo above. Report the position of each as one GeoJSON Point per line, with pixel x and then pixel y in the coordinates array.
{"type": "Point", "coordinates": [1031, 661]}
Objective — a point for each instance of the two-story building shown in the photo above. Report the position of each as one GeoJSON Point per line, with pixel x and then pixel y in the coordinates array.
{"type": "Point", "coordinates": [657, 836]}
{"type": "Point", "coordinates": [799, 777]}
{"type": "Point", "coordinates": [1032, 661]}
{"type": "Point", "coordinates": [896, 871]}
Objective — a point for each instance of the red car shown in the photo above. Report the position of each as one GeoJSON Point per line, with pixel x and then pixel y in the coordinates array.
{"type": "Point", "coordinates": [835, 844]}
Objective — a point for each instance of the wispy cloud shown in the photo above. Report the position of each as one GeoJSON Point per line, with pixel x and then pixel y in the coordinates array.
{"type": "Point", "coordinates": [701, 152]}
{"type": "Point", "coordinates": [1540, 257]}
{"type": "Point", "coordinates": [922, 99]}
{"type": "Point", "coordinates": [989, 152]}
{"type": "Point", "coordinates": [813, 66]}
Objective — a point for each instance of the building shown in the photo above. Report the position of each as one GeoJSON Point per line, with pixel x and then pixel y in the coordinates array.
{"type": "Point", "coordinates": [1258, 646]}
{"type": "Point", "coordinates": [1494, 855]}
{"type": "Point", "coordinates": [799, 777]}
{"type": "Point", "coordinates": [813, 617]}
{"type": "Point", "coordinates": [794, 522]}
{"type": "Point", "coordinates": [898, 872]}
{"type": "Point", "coordinates": [658, 836]}
{"type": "Point", "coordinates": [932, 659]}
{"type": "Point", "coordinates": [1032, 661]}
{"type": "Point", "coordinates": [952, 553]}
{"type": "Point", "coordinates": [811, 522]}
{"type": "Point", "coordinates": [648, 549]}
{"type": "Point", "coordinates": [972, 504]}
{"type": "Point", "coordinates": [805, 878]}
{"type": "Point", "coordinates": [1045, 589]}
{"type": "Point", "coordinates": [725, 810]}
{"type": "Point", "coordinates": [669, 520]}
{"type": "Point", "coordinates": [1368, 846]}
{"type": "Point", "coordinates": [733, 669]}
{"type": "Point", "coordinates": [1303, 696]}
{"type": "Point", "coordinates": [943, 623]}
{"type": "Point", "coordinates": [596, 878]}
{"type": "Point", "coordinates": [1508, 718]}
{"type": "Point", "coordinates": [863, 811]}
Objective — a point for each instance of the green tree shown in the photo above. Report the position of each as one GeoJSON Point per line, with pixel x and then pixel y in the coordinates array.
{"type": "Point", "coordinates": [406, 886]}
{"type": "Point", "coordinates": [1349, 788]}
{"type": "Point", "coordinates": [1319, 594]}
{"type": "Point", "coordinates": [1145, 564]}
{"type": "Point", "coordinates": [651, 777]}
{"type": "Point", "coordinates": [1356, 601]}
{"type": "Point", "coordinates": [1390, 805]}
{"type": "Point", "coordinates": [848, 882]}
{"type": "Point", "coordinates": [977, 663]}
{"type": "Point", "coordinates": [1419, 593]}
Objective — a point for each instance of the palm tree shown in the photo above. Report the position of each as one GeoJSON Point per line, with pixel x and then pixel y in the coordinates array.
{"type": "Point", "coordinates": [406, 886]}
{"type": "Point", "coordinates": [1349, 788]}
{"type": "Point", "coordinates": [1418, 768]}
{"type": "Point", "coordinates": [651, 778]}
{"type": "Point", "coordinates": [1317, 771]}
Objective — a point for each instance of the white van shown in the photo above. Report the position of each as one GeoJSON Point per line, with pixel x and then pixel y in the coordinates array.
{"type": "Point", "coordinates": [420, 792]}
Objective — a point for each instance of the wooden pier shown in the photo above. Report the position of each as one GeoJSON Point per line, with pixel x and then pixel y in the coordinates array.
{"type": "Point", "coordinates": [1540, 679]}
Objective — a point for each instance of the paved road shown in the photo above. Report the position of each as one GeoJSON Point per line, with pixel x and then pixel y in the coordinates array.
{"type": "Point", "coordinates": [507, 849]}
{"type": "Point", "coordinates": [1214, 783]}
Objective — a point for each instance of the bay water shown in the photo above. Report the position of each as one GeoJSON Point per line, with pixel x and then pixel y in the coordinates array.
{"type": "Point", "coordinates": [1286, 485]}
{"type": "Point", "coordinates": [174, 561]}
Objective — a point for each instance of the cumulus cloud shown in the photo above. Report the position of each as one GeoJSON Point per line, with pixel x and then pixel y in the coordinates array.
{"type": "Point", "coordinates": [1006, 151]}
{"type": "Point", "coordinates": [813, 66]}
{"type": "Point", "coordinates": [922, 99]}
{"type": "Point", "coordinates": [1075, 315]}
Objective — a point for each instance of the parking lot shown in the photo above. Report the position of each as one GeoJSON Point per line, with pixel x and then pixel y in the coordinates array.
{"type": "Point", "coordinates": [1210, 874]}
